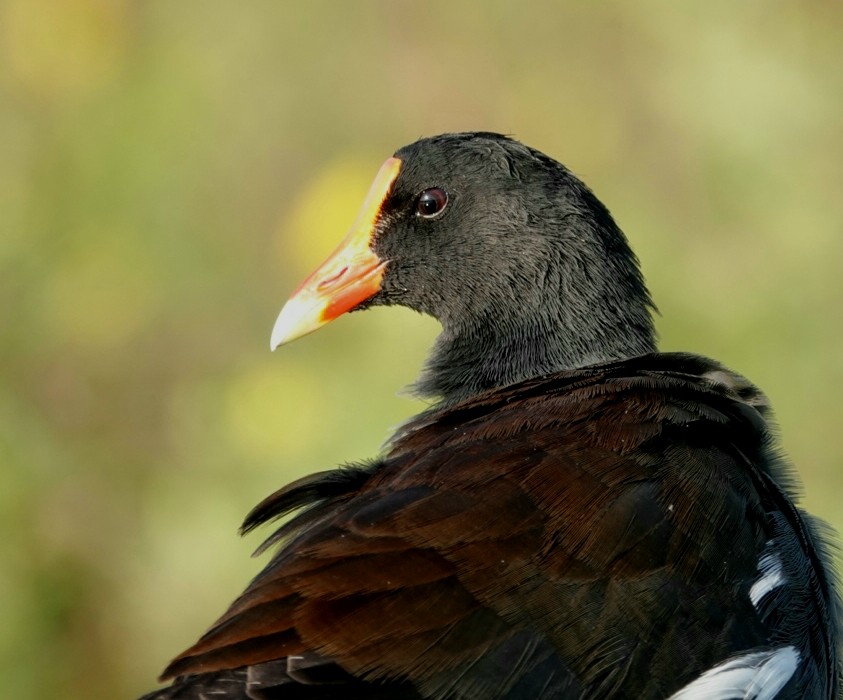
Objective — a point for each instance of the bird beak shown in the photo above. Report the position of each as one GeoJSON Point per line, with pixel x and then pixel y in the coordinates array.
{"type": "Point", "coordinates": [351, 274]}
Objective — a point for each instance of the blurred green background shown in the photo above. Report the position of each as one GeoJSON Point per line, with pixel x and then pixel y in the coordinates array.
{"type": "Point", "coordinates": [169, 171]}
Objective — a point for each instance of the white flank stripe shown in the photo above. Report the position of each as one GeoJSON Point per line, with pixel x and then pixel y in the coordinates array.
{"type": "Point", "coordinates": [758, 675]}
{"type": "Point", "coordinates": [770, 567]}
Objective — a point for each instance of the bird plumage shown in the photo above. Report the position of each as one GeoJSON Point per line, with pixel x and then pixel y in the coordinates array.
{"type": "Point", "coordinates": [579, 516]}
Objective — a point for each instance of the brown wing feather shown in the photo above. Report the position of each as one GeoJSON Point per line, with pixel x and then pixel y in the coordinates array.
{"type": "Point", "coordinates": [570, 529]}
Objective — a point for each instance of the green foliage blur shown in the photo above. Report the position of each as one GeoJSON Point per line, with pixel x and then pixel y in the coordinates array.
{"type": "Point", "coordinates": [169, 171]}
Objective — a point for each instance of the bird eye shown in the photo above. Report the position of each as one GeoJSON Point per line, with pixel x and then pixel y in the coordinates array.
{"type": "Point", "coordinates": [431, 203]}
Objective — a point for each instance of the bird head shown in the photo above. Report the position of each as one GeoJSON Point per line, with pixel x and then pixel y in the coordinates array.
{"type": "Point", "coordinates": [500, 243]}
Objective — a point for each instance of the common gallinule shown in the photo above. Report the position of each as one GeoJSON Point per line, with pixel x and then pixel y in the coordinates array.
{"type": "Point", "coordinates": [578, 516]}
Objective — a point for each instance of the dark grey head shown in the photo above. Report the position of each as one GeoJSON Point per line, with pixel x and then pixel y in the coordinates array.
{"type": "Point", "coordinates": [523, 266]}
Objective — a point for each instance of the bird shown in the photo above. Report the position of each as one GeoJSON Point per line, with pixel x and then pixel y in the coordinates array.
{"type": "Point", "coordinates": [575, 515]}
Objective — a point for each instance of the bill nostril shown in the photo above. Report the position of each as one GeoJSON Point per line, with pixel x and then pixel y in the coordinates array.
{"type": "Point", "coordinates": [333, 278]}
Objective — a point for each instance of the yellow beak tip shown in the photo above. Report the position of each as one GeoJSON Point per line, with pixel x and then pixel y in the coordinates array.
{"type": "Point", "coordinates": [296, 319]}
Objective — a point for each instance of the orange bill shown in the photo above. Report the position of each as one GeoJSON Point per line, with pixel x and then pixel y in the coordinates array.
{"type": "Point", "coordinates": [350, 275]}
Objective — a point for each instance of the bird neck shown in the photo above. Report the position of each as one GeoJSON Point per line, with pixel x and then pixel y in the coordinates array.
{"type": "Point", "coordinates": [477, 357]}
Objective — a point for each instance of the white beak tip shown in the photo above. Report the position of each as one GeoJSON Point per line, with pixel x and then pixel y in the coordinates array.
{"type": "Point", "coordinates": [296, 319]}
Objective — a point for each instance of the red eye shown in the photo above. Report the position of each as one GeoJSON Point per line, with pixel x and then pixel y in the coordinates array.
{"type": "Point", "coordinates": [431, 203]}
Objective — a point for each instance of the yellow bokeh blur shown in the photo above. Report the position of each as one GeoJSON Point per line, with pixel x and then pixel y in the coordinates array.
{"type": "Point", "coordinates": [60, 49]}
{"type": "Point", "coordinates": [323, 211]}
{"type": "Point", "coordinates": [260, 418]}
